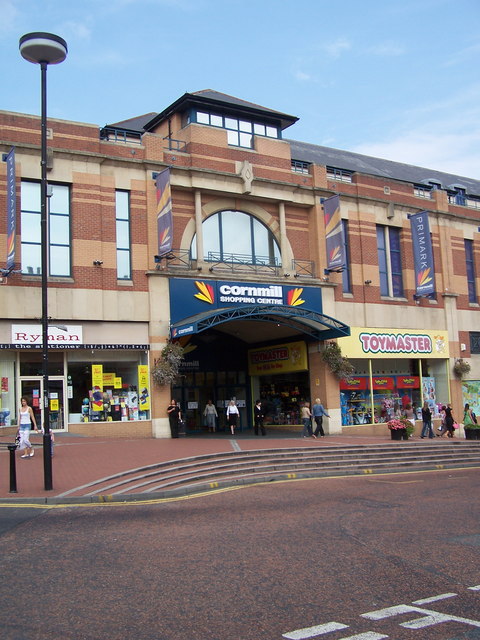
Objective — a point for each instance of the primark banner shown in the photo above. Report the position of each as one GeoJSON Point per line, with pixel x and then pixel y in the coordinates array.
{"type": "Point", "coordinates": [11, 208]}
{"type": "Point", "coordinates": [334, 234]}
{"type": "Point", "coordinates": [422, 254]}
{"type": "Point", "coordinates": [164, 212]}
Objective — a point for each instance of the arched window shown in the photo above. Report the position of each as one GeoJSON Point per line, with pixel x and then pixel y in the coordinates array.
{"type": "Point", "coordinates": [234, 233]}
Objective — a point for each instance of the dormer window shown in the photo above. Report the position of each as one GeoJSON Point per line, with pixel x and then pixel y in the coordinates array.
{"type": "Point", "coordinates": [339, 175]}
{"type": "Point", "coordinates": [422, 191]}
{"type": "Point", "coordinates": [240, 132]}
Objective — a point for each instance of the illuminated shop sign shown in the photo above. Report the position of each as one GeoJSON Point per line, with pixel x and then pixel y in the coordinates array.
{"type": "Point", "coordinates": [394, 343]}
{"type": "Point", "coordinates": [280, 358]}
{"type": "Point", "coordinates": [190, 297]}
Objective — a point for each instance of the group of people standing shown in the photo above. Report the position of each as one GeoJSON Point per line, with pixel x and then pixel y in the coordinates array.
{"type": "Point", "coordinates": [317, 413]}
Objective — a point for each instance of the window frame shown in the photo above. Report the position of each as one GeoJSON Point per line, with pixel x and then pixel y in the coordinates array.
{"type": "Point", "coordinates": [53, 245]}
{"type": "Point", "coordinates": [240, 131]}
{"type": "Point", "coordinates": [471, 271]}
{"type": "Point", "coordinates": [121, 250]}
{"type": "Point", "coordinates": [390, 261]}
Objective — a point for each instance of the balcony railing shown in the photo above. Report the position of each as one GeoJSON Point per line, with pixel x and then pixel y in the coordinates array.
{"type": "Point", "coordinates": [175, 145]}
{"type": "Point", "coordinates": [238, 262]}
{"type": "Point", "coordinates": [304, 268]}
{"type": "Point", "coordinates": [174, 259]}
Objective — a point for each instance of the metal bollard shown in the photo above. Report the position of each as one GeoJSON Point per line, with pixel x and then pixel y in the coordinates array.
{"type": "Point", "coordinates": [13, 473]}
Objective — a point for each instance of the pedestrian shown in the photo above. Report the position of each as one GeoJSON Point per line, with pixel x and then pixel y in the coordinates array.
{"type": "Point", "coordinates": [210, 414]}
{"type": "Point", "coordinates": [468, 417]}
{"type": "Point", "coordinates": [232, 416]}
{"type": "Point", "coordinates": [174, 417]}
{"type": "Point", "coordinates": [427, 421]}
{"type": "Point", "coordinates": [448, 422]}
{"type": "Point", "coordinates": [318, 412]}
{"type": "Point", "coordinates": [306, 416]}
{"type": "Point", "coordinates": [258, 418]}
{"type": "Point", "coordinates": [26, 419]}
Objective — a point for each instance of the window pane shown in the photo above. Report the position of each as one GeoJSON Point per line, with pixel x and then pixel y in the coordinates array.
{"type": "Point", "coordinates": [231, 123]}
{"type": "Point", "coordinates": [232, 137]}
{"type": "Point", "coordinates": [122, 205]}
{"type": "Point", "coordinates": [211, 235]}
{"type": "Point", "coordinates": [259, 129]}
{"type": "Point", "coordinates": [59, 229]}
{"type": "Point", "coordinates": [203, 118]}
{"type": "Point", "coordinates": [216, 121]}
{"type": "Point", "coordinates": [59, 261]}
{"type": "Point", "coordinates": [123, 235]}
{"type": "Point", "coordinates": [123, 265]}
{"type": "Point", "coordinates": [260, 239]}
{"type": "Point", "coordinates": [30, 196]}
{"type": "Point", "coordinates": [31, 259]}
{"type": "Point", "coordinates": [59, 200]}
{"type": "Point", "coordinates": [272, 132]}
{"type": "Point", "coordinates": [236, 234]}
{"type": "Point", "coordinates": [382, 261]}
{"type": "Point", "coordinates": [246, 140]}
{"type": "Point", "coordinates": [30, 227]}
{"type": "Point", "coordinates": [245, 126]}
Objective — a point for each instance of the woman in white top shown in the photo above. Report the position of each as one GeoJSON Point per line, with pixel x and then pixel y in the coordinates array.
{"type": "Point", "coordinates": [232, 415]}
{"type": "Point", "coordinates": [26, 419]}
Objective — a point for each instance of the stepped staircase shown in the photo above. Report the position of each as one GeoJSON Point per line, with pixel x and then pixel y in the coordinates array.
{"type": "Point", "coordinates": [206, 472]}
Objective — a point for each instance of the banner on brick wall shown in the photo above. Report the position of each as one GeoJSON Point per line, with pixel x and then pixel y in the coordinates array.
{"type": "Point", "coordinates": [422, 254]}
{"type": "Point", "coordinates": [164, 212]}
{"type": "Point", "coordinates": [334, 234]}
{"type": "Point", "coordinates": [11, 208]}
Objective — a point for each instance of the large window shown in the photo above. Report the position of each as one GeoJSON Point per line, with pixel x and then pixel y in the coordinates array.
{"type": "Point", "coordinates": [240, 132]}
{"type": "Point", "coordinates": [59, 251]}
{"type": "Point", "coordinates": [389, 261]}
{"type": "Point", "coordinates": [237, 236]}
{"type": "Point", "coordinates": [471, 272]}
{"type": "Point", "coordinates": [122, 222]}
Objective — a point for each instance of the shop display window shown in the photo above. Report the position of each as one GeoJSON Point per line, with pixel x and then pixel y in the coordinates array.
{"type": "Point", "coordinates": [391, 388]}
{"type": "Point", "coordinates": [31, 363]}
{"type": "Point", "coordinates": [118, 395]}
{"type": "Point", "coordinates": [282, 397]}
{"type": "Point", "coordinates": [8, 410]}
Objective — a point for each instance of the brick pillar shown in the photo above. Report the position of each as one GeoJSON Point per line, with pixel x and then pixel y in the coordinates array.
{"type": "Point", "coordinates": [324, 385]}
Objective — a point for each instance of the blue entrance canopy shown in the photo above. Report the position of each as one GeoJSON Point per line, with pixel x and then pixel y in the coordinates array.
{"type": "Point", "coordinates": [316, 325]}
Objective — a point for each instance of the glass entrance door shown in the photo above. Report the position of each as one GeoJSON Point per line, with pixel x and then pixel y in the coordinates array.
{"type": "Point", "coordinates": [32, 389]}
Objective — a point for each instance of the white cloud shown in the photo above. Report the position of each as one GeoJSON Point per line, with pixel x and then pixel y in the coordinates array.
{"type": "Point", "coordinates": [462, 56]}
{"type": "Point", "coordinates": [337, 47]}
{"type": "Point", "coordinates": [453, 152]}
{"type": "Point", "coordinates": [77, 30]}
{"type": "Point", "coordinates": [386, 49]}
{"type": "Point", "coordinates": [302, 76]}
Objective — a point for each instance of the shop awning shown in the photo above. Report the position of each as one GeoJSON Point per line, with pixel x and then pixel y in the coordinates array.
{"type": "Point", "coordinates": [316, 325]}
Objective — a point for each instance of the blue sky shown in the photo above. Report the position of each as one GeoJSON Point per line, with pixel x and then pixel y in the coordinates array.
{"type": "Point", "coordinates": [398, 79]}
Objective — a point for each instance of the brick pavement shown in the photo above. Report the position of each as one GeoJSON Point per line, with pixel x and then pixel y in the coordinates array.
{"type": "Point", "coordinates": [79, 460]}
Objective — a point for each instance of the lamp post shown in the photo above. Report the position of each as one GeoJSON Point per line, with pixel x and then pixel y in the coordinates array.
{"type": "Point", "coordinates": [44, 49]}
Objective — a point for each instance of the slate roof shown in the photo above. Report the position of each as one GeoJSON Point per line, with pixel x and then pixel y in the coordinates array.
{"type": "Point", "coordinates": [351, 161]}
{"type": "Point", "coordinates": [303, 151]}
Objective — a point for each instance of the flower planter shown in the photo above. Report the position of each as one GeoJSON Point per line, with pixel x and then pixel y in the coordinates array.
{"type": "Point", "coordinates": [472, 434]}
{"type": "Point", "coordinates": [398, 434]}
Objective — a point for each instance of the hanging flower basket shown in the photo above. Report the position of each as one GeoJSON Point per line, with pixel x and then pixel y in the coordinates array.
{"type": "Point", "coordinates": [166, 368]}
{"type": "Point", "coordinates": [461, 367]}
{"type": "Point", "coordinates": [340, 366]}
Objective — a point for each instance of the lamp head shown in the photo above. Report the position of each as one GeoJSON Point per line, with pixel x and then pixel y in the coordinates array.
{"type": "Point", "coordinates": [40, 47]}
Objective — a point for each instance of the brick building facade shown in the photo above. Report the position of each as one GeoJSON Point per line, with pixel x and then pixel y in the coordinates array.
{"type": "Point", "coordinates": [245, 285]}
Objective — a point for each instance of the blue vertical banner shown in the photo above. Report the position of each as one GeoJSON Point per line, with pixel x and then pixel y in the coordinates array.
{"type": "Point", "coordinates": [334, 234]}
{"type": "Point", "coordinates": [11, 208]}
{"type": "Point", "coordinates": [422, 254]}
{"type": "Point", "coordinates": [164, 212]}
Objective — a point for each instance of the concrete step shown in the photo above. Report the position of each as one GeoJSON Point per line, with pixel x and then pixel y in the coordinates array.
{"type": "Point", "coordinates": [227, 469]}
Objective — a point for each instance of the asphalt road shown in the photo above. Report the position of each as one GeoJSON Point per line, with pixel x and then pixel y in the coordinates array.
{"type": "Point", "coordinates": [359, 558]}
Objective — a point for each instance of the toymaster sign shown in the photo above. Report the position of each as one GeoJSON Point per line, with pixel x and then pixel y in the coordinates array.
{"type": "Point", "coordinates": [188, 298]}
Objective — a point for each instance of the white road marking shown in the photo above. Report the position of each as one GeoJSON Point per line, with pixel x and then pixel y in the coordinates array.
{"type": "Point", "coordinates": [313, 632]}
{"type": "Point", "coordinates": [442, 596]}
{"type": "Point", "coordinates": [476, 588]}
{"type": "Point", "coordinates": [368, 635]}
{"type": "Point", "coordinates": [429, 618]}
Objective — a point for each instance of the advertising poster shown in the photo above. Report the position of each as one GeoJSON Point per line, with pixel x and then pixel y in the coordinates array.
{"type": "Point", "coordinates": [143, 387]}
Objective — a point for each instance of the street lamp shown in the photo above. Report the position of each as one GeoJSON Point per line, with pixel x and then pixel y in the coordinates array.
{"type": "Point", "coordinates": [44, 49]}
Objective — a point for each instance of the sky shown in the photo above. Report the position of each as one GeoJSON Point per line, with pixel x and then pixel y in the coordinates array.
{"type": "Point", "coordinates": [396, 79]}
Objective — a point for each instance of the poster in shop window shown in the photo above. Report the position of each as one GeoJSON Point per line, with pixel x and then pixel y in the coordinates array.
{"type": "Point", "coordinates": [143, 388]}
